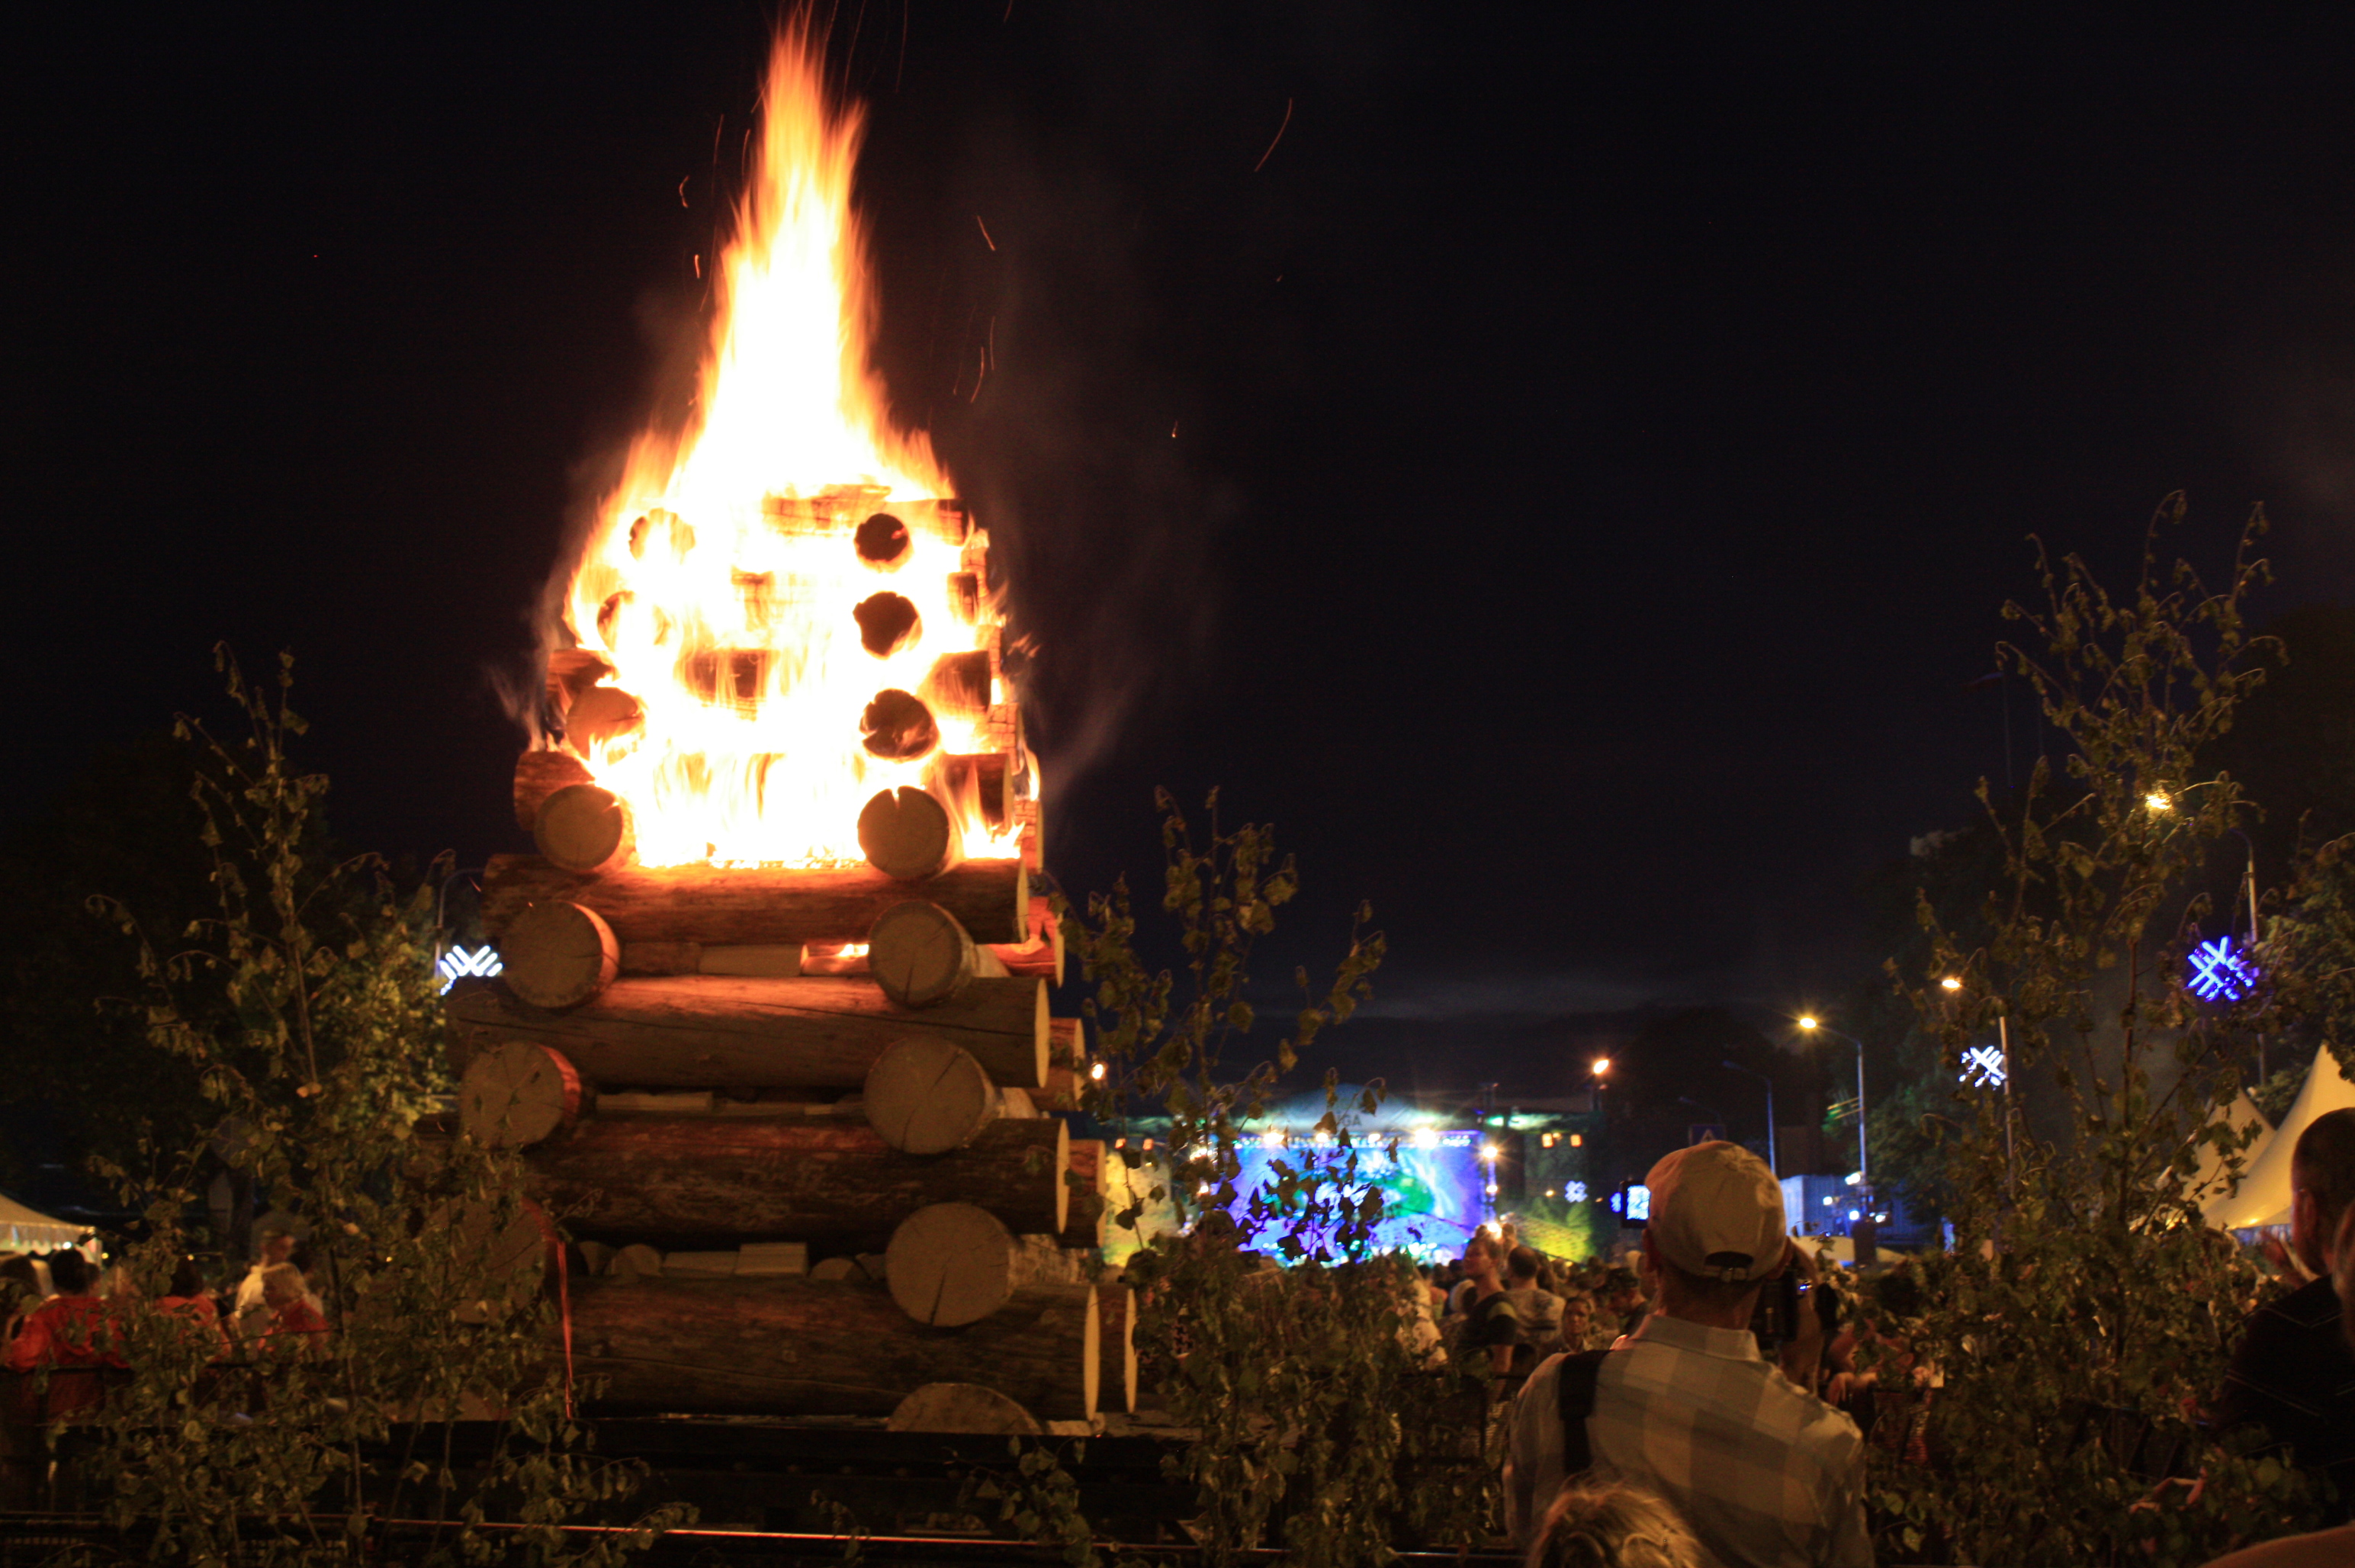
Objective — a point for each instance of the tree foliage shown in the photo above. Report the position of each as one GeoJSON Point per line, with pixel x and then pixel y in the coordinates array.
{"type": "Point", "coordinates": [2085, 1312]}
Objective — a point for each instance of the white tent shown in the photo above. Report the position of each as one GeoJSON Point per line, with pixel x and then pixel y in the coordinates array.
{"type": "Point", "coordinates": [2264, 1195]}
{"type": "Point", "coordinates": [23, 1230]}
{"type": "Point", "coordinates": [2208, 1181]}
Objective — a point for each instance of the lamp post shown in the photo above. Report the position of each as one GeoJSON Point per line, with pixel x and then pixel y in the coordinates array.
{"type": "Point", "coordinates": [1772, 1163]}
{"type": "Point", "coordinates": [1863, 1160]}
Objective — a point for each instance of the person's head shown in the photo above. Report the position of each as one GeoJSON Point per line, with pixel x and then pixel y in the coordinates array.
{"type": "Point", "coordinates": [1716, 1232]}
{"type": "Point", "coordinates": [277, 1244]}
{"type": "Point", "coordinates": [281, 1286]}
{"type": "Point", "coordinates": [2322, 1187]}
{"type": "Point", "coordinates": [1523, 1263]}
{"type": "Point", "coordinates": [1577, 1318]}
{"type": "Point", "coordinates": [1800, 1355]}
{"type": "Point", "coordinates": [1480, 1258]}
{"type": "Point", "coordinates": [1610, 1524]}
{"type": "Point", "coordinates": [69, 1273]}
{"type": "Point", "coordinates": [1623, 1292]}
{"type": "Point", "coordinates": [2342, 1274]}
{"type": "Point", "coordinates": [186, 1280]}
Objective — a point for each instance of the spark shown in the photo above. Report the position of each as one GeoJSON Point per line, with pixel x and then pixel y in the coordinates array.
{"type": "Point", "coordinates": [985, 231]}
{"type": "Point", "coordinates": [1279, 137]}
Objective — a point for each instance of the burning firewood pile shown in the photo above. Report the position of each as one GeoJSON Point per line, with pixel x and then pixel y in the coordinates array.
{"type": "Point", "coordinates": [801, 1117]}
{"type": "Point", "coordinates": [772, 1036]}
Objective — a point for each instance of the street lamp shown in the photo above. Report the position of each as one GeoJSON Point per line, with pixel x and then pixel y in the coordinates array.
{"type": "Point", "coordinates": [1772, 1163]}
{"type": "Point", "coordinates": [1863, 1162]}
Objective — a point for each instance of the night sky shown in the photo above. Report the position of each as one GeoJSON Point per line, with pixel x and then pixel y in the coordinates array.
{"type": "Point", "coordinates": [1567, 484]}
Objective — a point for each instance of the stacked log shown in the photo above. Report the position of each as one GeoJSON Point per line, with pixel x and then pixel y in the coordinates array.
{"type": "Point", "coordinates": [792, 1118]}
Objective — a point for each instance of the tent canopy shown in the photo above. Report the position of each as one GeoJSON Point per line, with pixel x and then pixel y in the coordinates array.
{"type": "Point", "coordinates": [2208, 1181]}
{"type": "Point", "coordinates": [2263, 1196]}
{"type": "Point", "coordinates": [25, 1230]}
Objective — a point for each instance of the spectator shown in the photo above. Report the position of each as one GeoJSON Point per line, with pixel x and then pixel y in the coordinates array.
{"type": "Point", "coordinates": [1580, 1331]}
{"type": "Point", "coordinates": [2293, 1373]}
{"type": "Point", "coordinates": [1537, 1310]}
{"type": "Point", "coordinates": [276, 1241]}
{"type": "Point", "coordinates": [1484, 1348]}
{"type": "Point", "coordinates": [295, 1326]}
{"type": "Point", "coordinates": [1614, 1525]}
{"type": "Point", "coordinates": [1765, 1475]}
{"type": "Point", "coordinates": [69, 1330]}
{"type": "Point", "coordinates": [2323, 1548]}
{"type": "Point", "coordinates": [186, 1297]}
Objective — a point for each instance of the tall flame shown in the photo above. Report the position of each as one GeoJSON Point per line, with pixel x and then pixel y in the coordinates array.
{"type": "Point", "coordinates": [721, 579]}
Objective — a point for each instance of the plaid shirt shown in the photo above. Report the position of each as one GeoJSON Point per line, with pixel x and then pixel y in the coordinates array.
{"type": "Point", "coordinates": [1766, 1475]}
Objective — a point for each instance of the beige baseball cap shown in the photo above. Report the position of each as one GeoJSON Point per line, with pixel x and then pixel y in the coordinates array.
{"type": "Point", "coordinates": [1717, 1211]}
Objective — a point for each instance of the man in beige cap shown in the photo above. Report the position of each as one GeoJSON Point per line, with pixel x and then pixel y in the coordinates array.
{"type": "Point", "coordinates": [1766, 1474]}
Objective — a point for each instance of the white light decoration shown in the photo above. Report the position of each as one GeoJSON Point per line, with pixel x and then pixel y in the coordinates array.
{"type": "Point", "coordinates": [1983, 1067]}
{"type": "Point", "coordinates": [1575, 1192]}
{"type": "Point", "coordinates": [460, 963]}
{"type": "Point", "coordinates": [1425, 1137]}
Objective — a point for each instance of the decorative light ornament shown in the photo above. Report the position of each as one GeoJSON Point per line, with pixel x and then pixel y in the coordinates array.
{"type": "Point", "coordinates": [2222, 971]}
{"type": "Point", "coordinates": [1575, 1192]}
{"type": "Point", "coordinates": [1983, 1067]}
{"type": "Point", "coordinates": [460, 963]}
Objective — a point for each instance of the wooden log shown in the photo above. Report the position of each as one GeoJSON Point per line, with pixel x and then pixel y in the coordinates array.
{"type": "Point", "coordinates": [750, 1179]}
{"type": "Point", "coordinates": [517, 1093]}
{"type": "Point", "coordinates": [1066, 1045]}
{"type": "Point", "coordinates": [907, 834]}
{"type": "Point", "coordinates": [539, 774]}
{"type": "Point", "coordinates": [599, 714]}
{"type": "Point", "coordinates": [662, 957]}
{"type": "Point", "coordinates": [951, 1263]}
{"type": "Point", "coordinates": [716, 906]}
{"type": "Point", "coordinates": [1064, 1090]}
{"type": "Point", "coordinates": [1116, 1343]}
{"type": "Point", "coordinates": [636, 1261]}
{"type": "Point", "coordinates": [570, 672]}
{"type": "Point", "coordinates": [897, 727]}
{"type": "Point", "coordinates": [889, 623]}
{"type": "Point", "coordinates": [958, 685]}
{"type": "Point", "coordinates": [801, 1347]}
{"type": "Point", "coordinates": [927, 1096]}
{"type": "Point", "coordinates": [976, 783]}
{"type": "Point", "coordinates": [703, 1031]}
{"type": "Point", "coordinates": [585, 828]}
{"type": "Point", "coordinates": [1084, 1226]}
{"type": "Point", "coordinates": [1042, 954]}
{"type": "Point", "coordinates": [964, 1408]}
{"type": "Point", "coordinates": [558, 954]}
{"type": "Point", "coordinates": [922, 957]}
{"type": "Point", "coordinates": [496, 1254]}
{"type": "Point", "coordinates": [964, 596]}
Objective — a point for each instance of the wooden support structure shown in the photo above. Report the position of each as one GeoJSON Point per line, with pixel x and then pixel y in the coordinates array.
{"type": "Point", "coordinates": [720, 905]}
{"type": "Point", "coordinates": [710, 1030]}
{"type": "Point", "coordinates": [740, 1178]}
{"type": "Point", "coordinates": [820, 1348]}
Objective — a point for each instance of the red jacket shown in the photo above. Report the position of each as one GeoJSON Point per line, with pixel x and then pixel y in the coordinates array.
{"type": "Point", "coordinates": [65, 1331]}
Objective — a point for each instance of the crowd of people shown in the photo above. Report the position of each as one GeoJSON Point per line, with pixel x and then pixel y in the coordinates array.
{"type": "Point", "coordinates": [1655, 1414]}
{"type": "Point", "coordinates": [65, 1313]}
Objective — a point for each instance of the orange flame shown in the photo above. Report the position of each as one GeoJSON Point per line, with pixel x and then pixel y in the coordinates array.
{"type": "Point", "coordinates": [725, 578]}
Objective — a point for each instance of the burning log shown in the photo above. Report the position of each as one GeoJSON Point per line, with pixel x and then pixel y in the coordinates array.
{"type": "Point", "coordinates": [1042, 955]}
{"type": "Point", "coordinates": [977, 781]}
{"type": "Point", "coordinates": [927, 1096]}
{"type": "Point", "coordinates": [964, 596]}
{"type": "Point", "coordinates": [816, 1031]}
{"type": "Point", "coordinates": [518, 1094]}
{"type": "Point", "coordinates": [539, 774]}
{"type": "Point", "coordinates": [897, 727]}
{"type": "Point", "coordinates": [716, 906]}
{"type": "Point", "coordinates": [599, 714]}
{"type": "Point", "coordinates": [888, 624]}
{"type": "Point", "coordinates": [809, 1347]}
{"type": "Point", "coordinates": [907, 834]}
{"type": "Point", "coordinates": [585, 828]}
{"type": "Point", "coordinates": [922, 957]}
{"type": "Point", "coordinates": [722, 1178]}
{"type": "Point", "coordinates": [570, 672]}
{"type": "Point", "coordinates": [952, 1263]}
{"type": "Point", "coordinates": [882, 542]}
{"type": "Point", "coordinates": [558, 955]}
{"type": "Point", "coordinates": [958, 686]}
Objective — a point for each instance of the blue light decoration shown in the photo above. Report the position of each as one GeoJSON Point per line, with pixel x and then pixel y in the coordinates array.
{"type": "Point", "coordinates": [1639, 1203]}
{"type": "Point", "coordinates": [461, 962]}
{"type": "Point", "coordinates": [2222, 971]}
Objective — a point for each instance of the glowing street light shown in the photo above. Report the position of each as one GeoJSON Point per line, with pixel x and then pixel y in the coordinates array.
{"type": "Point", "coordinates": [1951, 983]}
{"type": "Point", "coordinates": [1600, 1066]}
{"type": "Point", "coordinates": [2156, 801]}
{"type": "Point", "coordinates": [1811, 1024]}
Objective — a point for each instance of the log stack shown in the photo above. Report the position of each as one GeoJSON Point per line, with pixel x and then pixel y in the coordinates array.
{"type": "Point", "coordinates": [793, 1116]}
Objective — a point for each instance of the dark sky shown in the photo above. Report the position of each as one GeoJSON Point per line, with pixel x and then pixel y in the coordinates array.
{"type": "Point", "coordinates": [1601, 445]}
